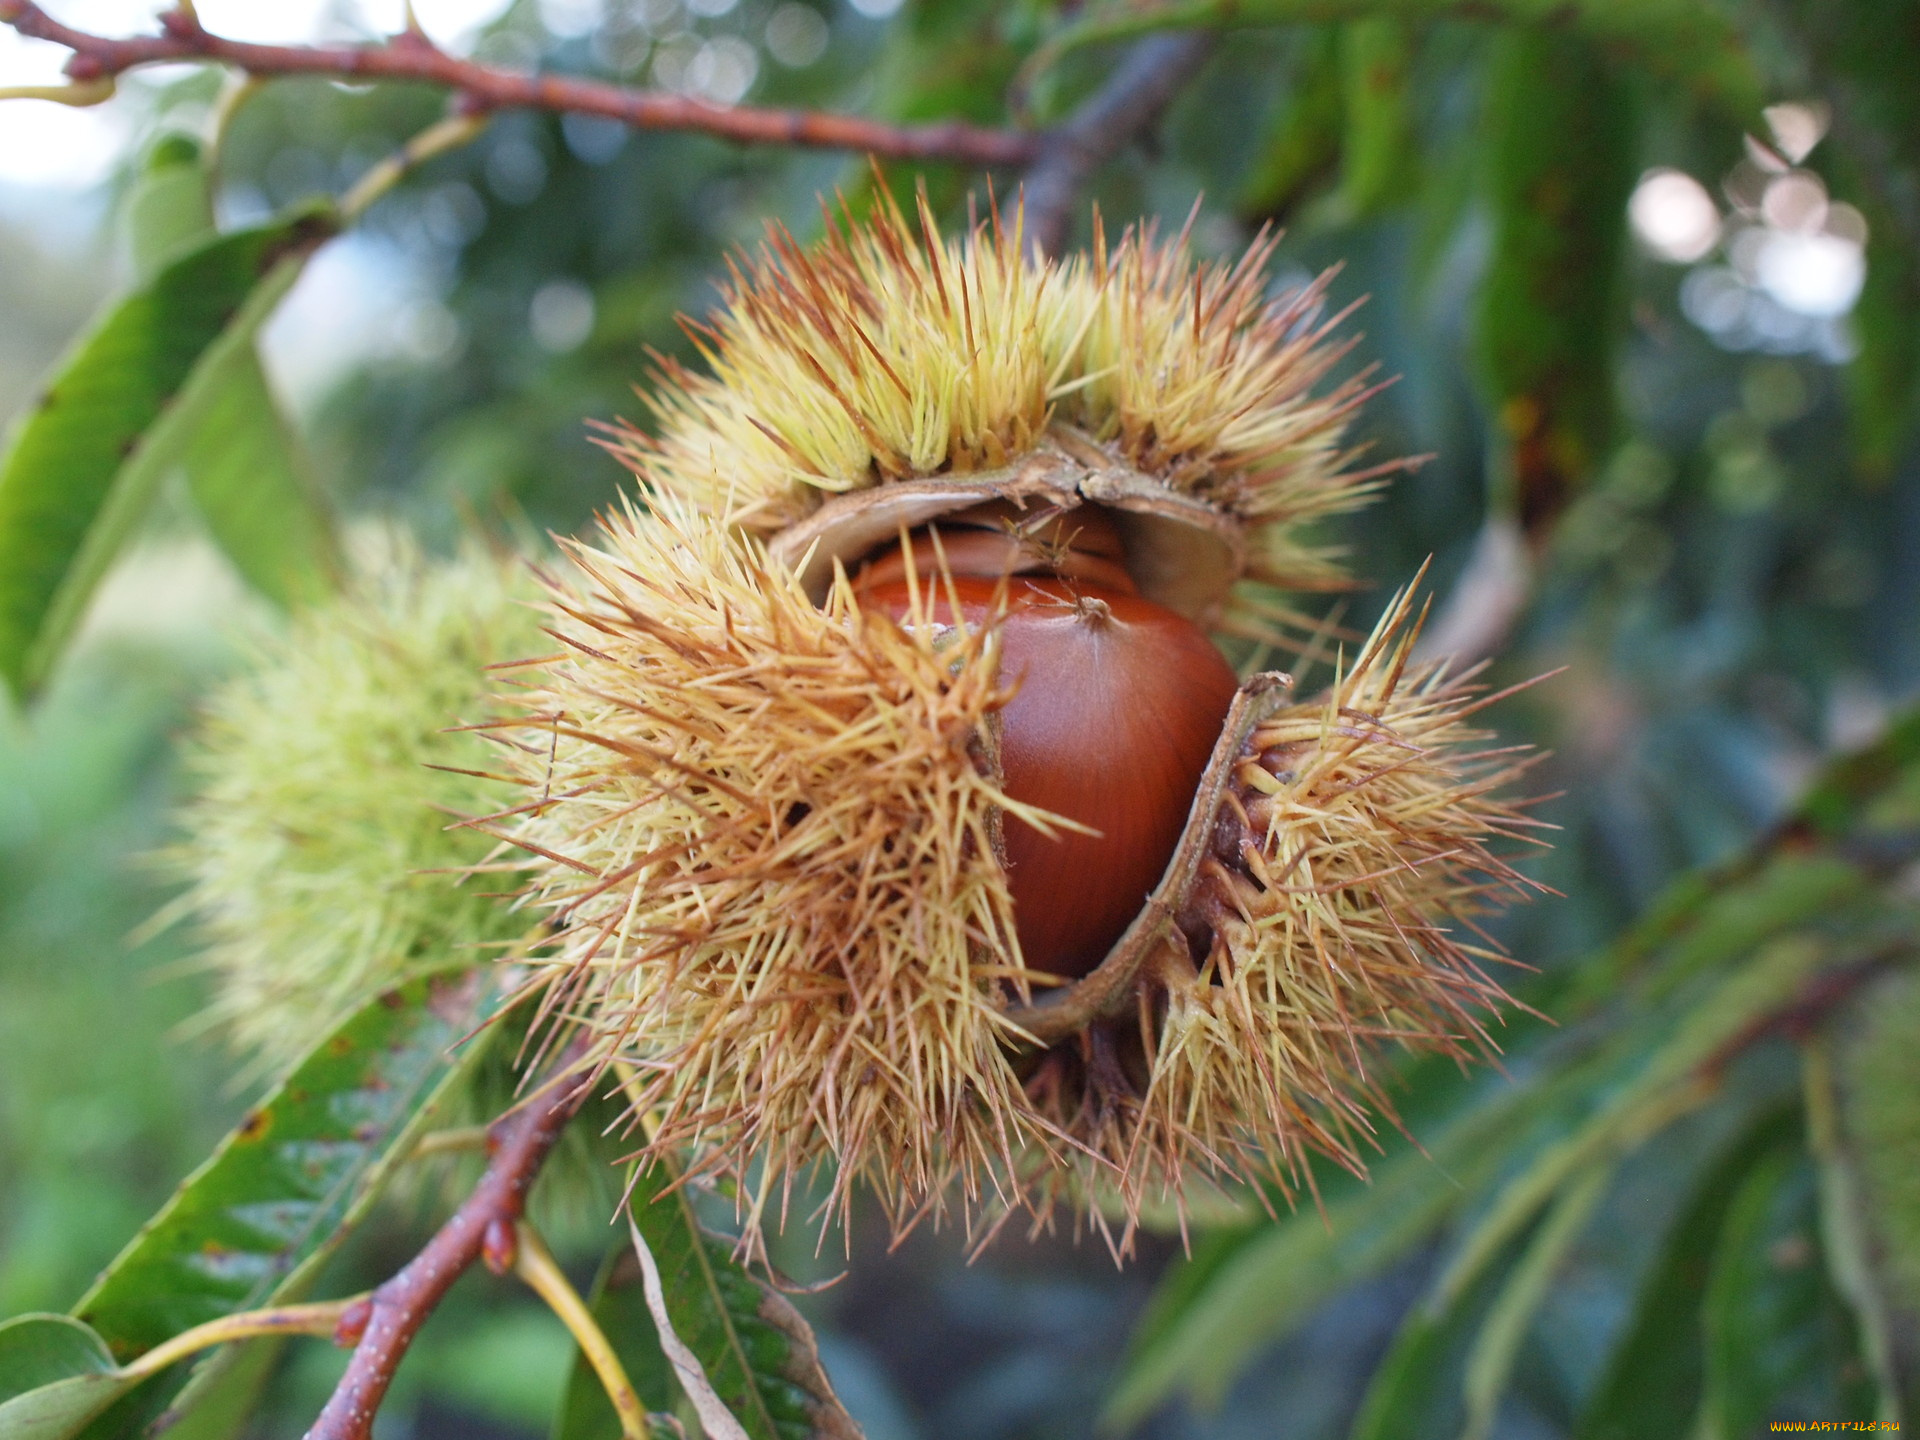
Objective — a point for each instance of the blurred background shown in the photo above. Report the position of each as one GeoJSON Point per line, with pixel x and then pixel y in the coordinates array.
{"type": "Point", "coordinates": [1673, 356]}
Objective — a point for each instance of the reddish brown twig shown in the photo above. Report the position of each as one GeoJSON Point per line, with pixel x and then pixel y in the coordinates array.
{"type": "Point", "coordinates": [1127, 106]}
{"type": "Point", "coordinates": [1801, 1016]}
{"type": "Point", "coordinates": [484, 1225]}
{"type": "Point", "coordinates": [411, 56]}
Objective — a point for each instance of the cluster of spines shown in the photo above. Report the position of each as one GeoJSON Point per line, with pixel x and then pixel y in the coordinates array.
{"type": "Point", "coordinates": [773, 884]}
{"type": "Point", "coordinates": [1338, 919]}
{"type": "Point", "coordinates": [319, 850]}
{"type": "Point", "coordinates": [874, 357]}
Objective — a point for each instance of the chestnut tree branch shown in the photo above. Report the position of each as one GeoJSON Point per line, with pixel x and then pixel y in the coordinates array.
{"type": "Point", "coordinates": [410, 56]}
{"type": "Point", "coordinates": [485, 1226]}
{"type": "Point", "coordinates": [1800, 1017]}
{"type": "Point", "coordinates": [1128, 104]}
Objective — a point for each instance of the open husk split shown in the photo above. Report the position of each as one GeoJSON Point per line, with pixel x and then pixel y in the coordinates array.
{"type": "Point", "coordinates": [767, 823]}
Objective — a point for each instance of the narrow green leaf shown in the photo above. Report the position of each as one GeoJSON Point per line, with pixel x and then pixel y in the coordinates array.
{"type": "Point", "coordinates": [1710, 916]}
{"type": "Point", "coordinates": [1248, 1289]}
{"type": "Point", "coordinates": [1865, 55]}
{"type": "Point", "coordinates": [1857, 790]}
{"type": "Point", "coordinates": [55, 1376]}
{"type": "Point", "coordinates": [37, 1350]}
{"type": "Point", "coordinates": [1651, 1388]}
{"type": "Point", "coordinates": [249, 477]}
{"type": "Point", "coordinates": [169, 207]}
{"type": "Point", "coordinates": [1378, 143]}
{"type": "Point", "coordinates": [1589, 1107]}
{"type": "Point", "coordinates": [57, 1382]}
{"type": "Point", "coordinates": [1699, 50]}
{"type": "Point", "coordinates": [219, 1398]}
{"type": "Point", "coordinates": [1497, 1345]}
{"type": "Point", "coordinates": [1560, 165]}
{"type": "Point", "coordinates": [1302, 143]}
{"type": "Point", "coordinates": [84, 461]}
{"type": "Point", "coordinates": [1709, 921]}
{"type": "Point", "coordinates": [1664, 1089]}
{"type": "Point", "coordinates": [759, 1354]}
{"type": "Point", "coordinates": [1883, 382]}
{"type": "Point", "coordinates": [1767, 1321]}
{"type": "Point", "coordinates": [244, 465]}
{"type": "Point", "coordinates": [62, 1410]}
{"type": "Point", "coordinates": [1661, 1088]}
{"type": "Point", "coordinates": [1400, 1399]}
{"type": "Point", "coordinates": [245, 468]}
{"type": "Point", "coordinates": [1864, 1128]}
{"type": "Point", "coordinates": [252, 1225]}
{"type": "Point", "coordinates": [1414, 1393]}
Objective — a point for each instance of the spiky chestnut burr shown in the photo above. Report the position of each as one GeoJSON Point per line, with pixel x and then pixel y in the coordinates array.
{"type": "Point", "coordinates": [774, 829]}
{"type": "Point", "coordinates": [316, 843]}
{"type": "Point", "coordinates": [776, 796]}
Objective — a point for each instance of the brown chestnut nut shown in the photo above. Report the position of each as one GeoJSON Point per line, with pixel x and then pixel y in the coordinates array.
{"type": "Point", "coordinates": [1118, 706]}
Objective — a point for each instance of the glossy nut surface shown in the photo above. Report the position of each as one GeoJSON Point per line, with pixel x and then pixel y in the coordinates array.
{"type": "Point", "coordinates": [1118, 705]}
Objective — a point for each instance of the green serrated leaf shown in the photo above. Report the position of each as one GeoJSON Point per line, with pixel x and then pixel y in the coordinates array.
{"type": "Point", "coordinates": [224, 1390]}
{"type": "Point", "coordinates": [1883, 382]}
{"type": "Point", "coordinates": [1868, 787]}
{"type": "Point", "coordinates": [1864, 54]}
{"type": "Point", "coordinates": [1709, 920]}
{"type": "Point", "coordinates": [37, 1350]}
{"type": "Point", "coordinates": [1651, 1387]}
{"type": "Point", "coordinates": [1413, 1393]}
{"type": "Point", "coordinates": [1247, 1289]}
{"type": "Point", "coordinates": [1696, 49]}
{"type": "Point", "coordinates": [252, 1225]}
{"type": "Point", "coordinates": [758, 1353]}
{"type": "Point", "coordinates": [1593, 1105]}
{"type": "Point", "coordinates": [55, 1377]}
{"type": "Point", "coordinates": [1557, 1179]}
{"type": "Point", "coordinates": [57, 1382]}
{"type": "Point", "coordinates": [1664, 1087]}
{"type": "Point", "coordinates": [84, 462]}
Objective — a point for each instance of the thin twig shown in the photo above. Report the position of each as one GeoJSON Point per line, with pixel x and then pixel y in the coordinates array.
{"type": "Point", "coordinates": [461, 1139]}
{"type": "Point", "coordinates": [1126, 106]}
{"type": "Point", "coordinates": [411, 56]}
{"type": "Point", "coordinates": [320, 1318]}
{"type": "Point", "coordinates": [437, 139]}
{"type": "Point", "coordinates": [79, 96]}
{"type": "Point", "coordinates": [1818, 998]}
{"type": "Point", "coordinates": [483, 1225]}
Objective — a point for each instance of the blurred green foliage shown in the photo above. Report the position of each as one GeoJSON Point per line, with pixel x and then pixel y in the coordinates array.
{"type": "Point", "coordinates": [1675, 1213]}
